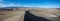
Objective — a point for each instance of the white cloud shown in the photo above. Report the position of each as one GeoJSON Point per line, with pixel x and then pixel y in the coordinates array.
{"type": "Point", "coordinates": [1, 1]}
{"type": "Point", "coordinates": [9, 5]}
{"type": "Point", "coordinates": [18, 5]}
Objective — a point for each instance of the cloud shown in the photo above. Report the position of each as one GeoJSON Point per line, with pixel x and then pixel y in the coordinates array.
{"type": "Point", "coordinates": [9, 5]}
{"type": "Point", "coordinates": [1, 0]}
{"type": "Point", "coordinates": [18, 5]}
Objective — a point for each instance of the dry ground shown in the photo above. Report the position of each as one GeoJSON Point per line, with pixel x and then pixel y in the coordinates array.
{"type": "Point", "coordinates": [18, 15]}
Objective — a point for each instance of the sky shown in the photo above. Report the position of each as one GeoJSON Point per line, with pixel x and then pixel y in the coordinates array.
{"type": "Point", "coordinates": [30, 3]}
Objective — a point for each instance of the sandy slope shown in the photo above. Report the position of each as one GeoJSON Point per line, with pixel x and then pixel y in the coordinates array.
{"type": "Point", "coordinates": [50, 14]}
{"type": "Point", "coordinates": [12, 15]}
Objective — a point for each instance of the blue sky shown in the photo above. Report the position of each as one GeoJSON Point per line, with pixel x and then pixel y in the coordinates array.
{"type": "Point", "coordinates": [34, 3]}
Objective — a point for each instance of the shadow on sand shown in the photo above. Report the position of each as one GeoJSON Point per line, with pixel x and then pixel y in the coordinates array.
{"type": "Point", "coordinates": [31, 17]}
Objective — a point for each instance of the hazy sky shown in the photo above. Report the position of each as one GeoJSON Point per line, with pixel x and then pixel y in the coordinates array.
{"type": "Point", "coordinates": [32, 3]}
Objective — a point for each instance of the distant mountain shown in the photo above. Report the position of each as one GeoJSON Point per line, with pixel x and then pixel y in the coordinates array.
{"type": "Point", "coordinates": [10, 8]}
{"type": "Point", "coordinates": [14, 7]}
{"type": "Point", "coordinates": [58, 8]}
